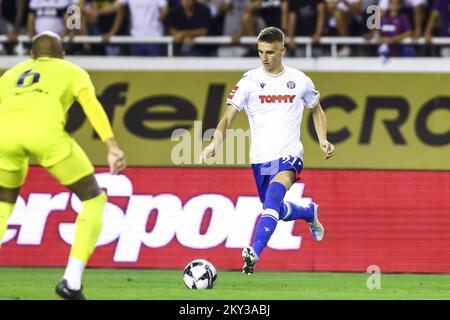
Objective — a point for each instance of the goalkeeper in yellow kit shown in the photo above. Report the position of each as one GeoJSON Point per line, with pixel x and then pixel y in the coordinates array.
{"type": "Point", "coordinates": [35, 96]}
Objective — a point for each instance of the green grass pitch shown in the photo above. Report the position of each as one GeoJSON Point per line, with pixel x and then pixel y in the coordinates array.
{"type": "Point", "coordinates": [139, 284]}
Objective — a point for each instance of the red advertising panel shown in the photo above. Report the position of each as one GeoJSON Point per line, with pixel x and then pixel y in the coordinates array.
{"type": "Point", "coordinates": [165, 217]}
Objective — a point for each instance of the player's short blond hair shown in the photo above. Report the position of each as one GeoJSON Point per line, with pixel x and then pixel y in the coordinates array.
{"type": "Point", "coordinates": [271, 35]}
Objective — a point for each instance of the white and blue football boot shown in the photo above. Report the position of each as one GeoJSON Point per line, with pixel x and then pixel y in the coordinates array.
{"type": "Point", "coordinates": [316, 227]}
{"type": "Point", "coordinates": [250, 258]}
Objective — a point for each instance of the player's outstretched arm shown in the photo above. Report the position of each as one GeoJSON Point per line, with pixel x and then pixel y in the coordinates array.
{"type": "Point", "coordinates": [219, 135]}
{"type": "Point", "coordinates": [99, 120]}
{"type": "Point", "coordinates": [320, 124]}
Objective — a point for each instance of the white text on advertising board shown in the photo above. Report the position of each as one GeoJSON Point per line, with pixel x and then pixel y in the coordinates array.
{"type": "Point", "coordinates": [231, 224]}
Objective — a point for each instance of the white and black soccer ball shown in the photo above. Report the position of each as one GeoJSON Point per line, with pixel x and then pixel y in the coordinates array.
{"type": "Point", "coordinates": [200, 274]}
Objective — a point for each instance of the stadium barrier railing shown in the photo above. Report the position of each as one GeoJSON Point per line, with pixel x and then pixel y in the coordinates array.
{"type": "Point", "coordinates": [332, 42]}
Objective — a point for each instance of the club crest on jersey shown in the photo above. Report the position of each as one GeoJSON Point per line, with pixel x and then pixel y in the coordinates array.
{"type": "Point", "coordinates": [233, 91]}
{"type": "Point", "coordinates": [286, 98]}
{"type": "Point", "coordinates": [291, 84]}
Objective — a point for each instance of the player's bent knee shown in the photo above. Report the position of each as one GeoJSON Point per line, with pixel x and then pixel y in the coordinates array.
{"type": "Point", "coordinates": [286, 178]}
{"type": "Point", "coordinates": [275, 192]}
{"type": "Point", "coordinates": [274, 196]}
{"type": "Point", "coordinates": [86, 188]}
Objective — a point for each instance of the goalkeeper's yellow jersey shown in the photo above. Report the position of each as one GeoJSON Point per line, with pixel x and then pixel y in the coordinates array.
{"type": "Point", "coordinates": [36, 94]}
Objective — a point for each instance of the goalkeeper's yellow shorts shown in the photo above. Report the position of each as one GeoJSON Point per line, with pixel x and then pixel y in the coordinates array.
{"type": "Point", "coordinates": [54, 150]}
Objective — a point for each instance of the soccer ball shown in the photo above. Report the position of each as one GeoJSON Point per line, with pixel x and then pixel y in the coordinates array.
{"type": "Point", "coordinates": [200, 274]}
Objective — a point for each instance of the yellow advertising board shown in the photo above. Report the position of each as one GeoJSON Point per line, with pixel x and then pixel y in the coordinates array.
{"type": "Point", "coordinates": [376, 120]}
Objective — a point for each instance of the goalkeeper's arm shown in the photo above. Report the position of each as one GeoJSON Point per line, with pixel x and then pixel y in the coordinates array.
{"type": "Point", "coordinates": [99, 120]}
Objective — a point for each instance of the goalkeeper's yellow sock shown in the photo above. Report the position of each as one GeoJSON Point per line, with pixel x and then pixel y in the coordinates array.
{"type": "Point", "coordinates": [6, 209]}
{"type": "Point", "coordinates": [88, 227]}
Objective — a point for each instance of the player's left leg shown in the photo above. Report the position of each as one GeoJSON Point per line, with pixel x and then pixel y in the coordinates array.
{"type": "Point", "coordinates": [267, 223]}
{"type": "Point", "coordinates": [77, 173]}
{"type": "Point", "coordinates": [87, 230]}
{"type": "Point", "coordinates": [291, 211]}
{"type": "Point", "coordinates": [10, 183]}
{"type": "Point", "coordinates": [273, 201]}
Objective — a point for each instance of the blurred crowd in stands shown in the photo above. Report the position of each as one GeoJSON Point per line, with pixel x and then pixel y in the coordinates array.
{"type": "Point", "coordinates": [185, 20]}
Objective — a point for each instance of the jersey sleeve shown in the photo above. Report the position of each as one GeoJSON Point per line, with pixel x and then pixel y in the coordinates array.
{"type": "Point", "coordinates": [81, 80]}
{"type": "Point", "coordinates": [311, 95]}
{"type": "Point", "coordinates": [96, 114]}
{"type": "Point", "coordinates": [238, 96]}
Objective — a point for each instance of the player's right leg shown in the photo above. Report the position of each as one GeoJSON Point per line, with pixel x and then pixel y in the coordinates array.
{"type": "Point", "coordinates": [272, 186]}
{"type": "Point", "coordinates": [77, 173]}
{"type": "Point", "coordinates": [262, 174]}
{"type": "Point", "coordinates": [291, 211]}
{"type": "Point", "coordinates": [87, 230]}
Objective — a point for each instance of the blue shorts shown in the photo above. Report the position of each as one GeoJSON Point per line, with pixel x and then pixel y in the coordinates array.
{"type": "Point", "coordinates": [264, 172]}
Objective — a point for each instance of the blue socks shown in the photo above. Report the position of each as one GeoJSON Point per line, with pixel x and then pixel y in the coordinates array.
{"type": "Point", "coordinates": [269, 218]}
{"type": "Point", "coordinates": [290, 211]}
{"type": "Point", "coordinates": [264, 230]}
{"type": "Point", "coordinates": [275, 209]}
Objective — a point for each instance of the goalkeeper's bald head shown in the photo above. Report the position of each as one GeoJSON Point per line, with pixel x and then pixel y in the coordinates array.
{"type": "Point", "coordinates": [47, 44]}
